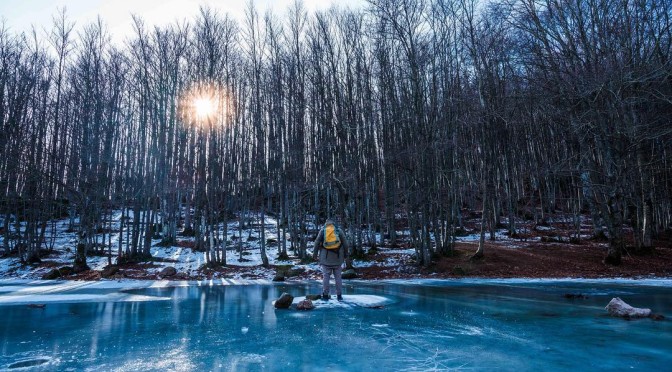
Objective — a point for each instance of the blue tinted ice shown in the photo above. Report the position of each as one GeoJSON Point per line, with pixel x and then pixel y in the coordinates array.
{"type": "Point", "coordinates": [426, 325]}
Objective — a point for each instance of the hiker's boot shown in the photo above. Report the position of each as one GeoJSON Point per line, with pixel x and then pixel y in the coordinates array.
{"type": "Point", "coordinates": [325, 297]}
{"type": "Point", "coordinates": [339, 297]}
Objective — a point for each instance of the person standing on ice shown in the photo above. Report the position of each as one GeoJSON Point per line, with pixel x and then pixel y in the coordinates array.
{"type": "Point", "coordinates": [332, 249]}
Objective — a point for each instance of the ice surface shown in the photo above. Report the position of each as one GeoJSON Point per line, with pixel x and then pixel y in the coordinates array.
{"type": "Point", "coordinates": [424, 325]}
{"type": "Point", "coordinates": [70, 298]}
{"type": "Point", "coordinates": [43, 292]}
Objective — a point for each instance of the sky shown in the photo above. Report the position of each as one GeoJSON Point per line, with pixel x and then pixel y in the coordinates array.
{"type": "Point", "coordinates": [20, 15]}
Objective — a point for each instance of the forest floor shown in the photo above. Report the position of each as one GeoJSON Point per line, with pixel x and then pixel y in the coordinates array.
{"type": "Point", "coordinates": [552, 250]}
{"type": "Point", "coordinates": [536, 252]}
{"type": "Point", "coordinates": [536, 260]}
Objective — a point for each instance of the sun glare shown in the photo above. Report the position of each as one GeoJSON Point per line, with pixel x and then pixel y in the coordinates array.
{"type": "Point", "coordinates": [204, 105]}
{"type": "Point", "coordinates": [204, 108]}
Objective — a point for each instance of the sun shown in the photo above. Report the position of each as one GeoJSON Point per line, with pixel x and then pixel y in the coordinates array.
{"type": "Point", "coordinates": [204, 107]}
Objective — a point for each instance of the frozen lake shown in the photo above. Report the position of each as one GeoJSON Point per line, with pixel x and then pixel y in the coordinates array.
{"type": "Point", "coordinates": [423, 325]}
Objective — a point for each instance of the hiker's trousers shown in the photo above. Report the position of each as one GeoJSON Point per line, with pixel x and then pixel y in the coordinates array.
{"type": "Point", "coordinates": [326, 275]}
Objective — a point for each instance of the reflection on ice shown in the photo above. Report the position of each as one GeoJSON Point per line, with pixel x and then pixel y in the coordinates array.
{"type": "Point", "coordinates": [177, 359]}
{"type": "Point", "coordinates": [246, 362]}
{"type": "Point", "coordinates": [69, 298]}
{"type": "Point", "coordinates": [468, 330]}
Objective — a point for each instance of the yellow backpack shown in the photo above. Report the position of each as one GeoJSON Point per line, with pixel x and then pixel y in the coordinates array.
{"type": "Point", "coordinates": [331, 239]}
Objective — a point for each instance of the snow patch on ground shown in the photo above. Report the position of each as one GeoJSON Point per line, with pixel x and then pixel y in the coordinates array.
{"type": "Point", "coordinates": [349, 301]}
{"type": "Point", "coordinates": [186, 260]}
{"type": "Point", "coordinates": [399, 251]}
{"type": "Point", "coordinates": [499, 235]}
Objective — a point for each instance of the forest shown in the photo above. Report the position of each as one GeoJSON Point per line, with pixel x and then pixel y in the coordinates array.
{"type": "Point", "coordinates": [404, 115]}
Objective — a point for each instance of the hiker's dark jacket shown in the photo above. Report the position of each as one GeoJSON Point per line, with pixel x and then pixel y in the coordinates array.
{"type": "Point", "coordinates": [330, 257]}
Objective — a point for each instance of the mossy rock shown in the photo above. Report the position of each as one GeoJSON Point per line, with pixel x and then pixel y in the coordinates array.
{"type": "Point", "coordinates": [288, 271]}
{"type": "Point", "coordinates": [295, 271]}
{"type": "Point", "coordinates": [109, 271]}
{"type": "Point", "coordinates": [550, 239]}
{"type": "Point", "coordinates": [167, 272]}
{"type": "Point", "coordinates": [349, 274]}
{"type": "Point", "coordinates": [305, 304]}
{"type": "Point", "coordinates": [284, 301]}
{"type": "Point", "coordinates": [51, 275]}
{"type": "Point", "coordinates": [461, 232]}
{"type": "Point", "coordinates": [282, 269]}
{"type": "Point", "coordinates": [459, 270]}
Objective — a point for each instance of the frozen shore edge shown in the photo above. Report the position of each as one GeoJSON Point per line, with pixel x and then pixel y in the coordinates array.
{"type": "Point", "coordinates": [40, 292]}
{"type": "Point", "coordinates": [140, 284]}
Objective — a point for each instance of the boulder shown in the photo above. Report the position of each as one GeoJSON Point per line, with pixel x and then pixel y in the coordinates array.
{"type": "Point", "coordinates": [109, 271]}
{"type": "Point", "coordinates": [550, 239]}
{"type": "Point", "coordinates": [168, 271]}
{"type": "Point", "coordinates": [287, 271]}
{"type": "Point", "coordinates": [53, 274]}
{"type": "Point", "coordinates": [461, 232]}
{"type": "Point", "coordinates": [182, 276]}
{"type": "Point", "coordinates": [349, 274]}
{"type": "Point", "coordinates": [295, 271]}
{"type": "Point", "coordinates": [459, 270]}
{"type": "Point", "coordinates": [306, 304]}
{"type": "Point", "coordinates": [313, 297]}
{"type": "Point", "coordinates": [282, 269]}
{"type": "Point", "coordinates": [618, 307]}
{"type": "Point", "coordinates": [284, 301]}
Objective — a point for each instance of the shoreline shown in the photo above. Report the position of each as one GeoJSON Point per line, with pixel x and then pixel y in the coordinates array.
{"type": "Point", "coordinates": [166, 283]}
{"type": "Point", "coordinates": [40, 293]}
